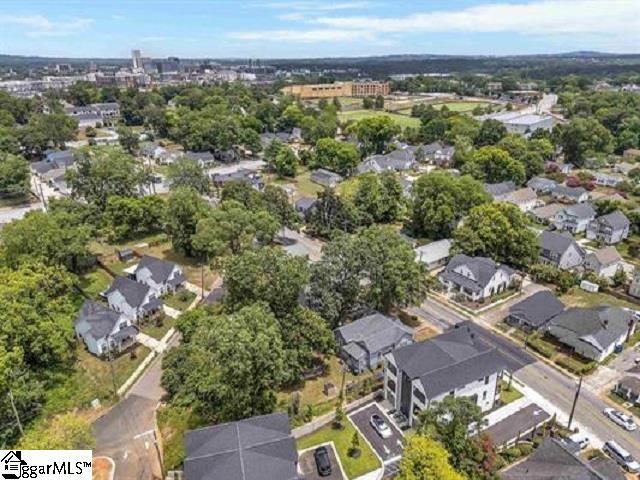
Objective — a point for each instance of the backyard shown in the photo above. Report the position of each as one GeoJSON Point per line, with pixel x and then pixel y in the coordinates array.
{"type": "Point", "coordinates": [353, 467]}
{"type": "Point", "coordinates": [94, 282]}
{"type": "Point", "coordinates": [179, 300]}
{"type": "Point", "coordinates": [302, 184]}
{"type": "Point", "coordinates": [157, 327]}
{"type": "Point", "coordinates": [576, 297]}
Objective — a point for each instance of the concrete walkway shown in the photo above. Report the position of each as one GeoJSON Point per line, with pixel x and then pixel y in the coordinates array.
{"type": "Point", "coordinates": [147, 341]}
{"type": "Point", "coordinates": [170, 311]}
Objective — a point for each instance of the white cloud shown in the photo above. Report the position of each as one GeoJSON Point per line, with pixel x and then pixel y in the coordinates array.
{"type": "Point", "coordinates": [303, 36]}
{"type": "Point", "coordinates": [41, 26]}
{"type": "Point", "coordinates": [534, 18]}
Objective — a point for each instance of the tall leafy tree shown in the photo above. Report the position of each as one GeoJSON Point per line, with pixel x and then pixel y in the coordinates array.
{"type": "Point", "coordinates": [378, 198]}
{"type": "Point", "coordinates": [583, 137]}
{"type": "Point", "coordinates": [131, 217]}
{"type": "Point", "coordinates": [14, 175]}
{"type": "Point", "coordinates": [185, 208]}
{"type": "Point", "coordinates": [129, 140]}
{"type": "Point", "coordinates": [491, 132]}
{"type": "Point", "coordinates": [331, 214]}
{"type": "Point", "coordinates": [187, 172]}
{"type": "Point", "coordinates": [424, 458]}
{"type": "Point", "coordinates": [375, 133]}
{"type": "Point", "coordinates": [336, 156]}
{"type": "Point", "coordinates": [494, 165]}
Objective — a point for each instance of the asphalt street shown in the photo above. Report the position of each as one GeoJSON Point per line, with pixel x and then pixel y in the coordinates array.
{"type": "Point", "coordinates": [555, 386]}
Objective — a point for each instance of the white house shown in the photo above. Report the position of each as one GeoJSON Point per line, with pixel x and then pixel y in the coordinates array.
{"type": "Point", "coordinates": [610, 228]}
{"type": "Point", "coordinates": [434, 254]}
{"type": "Point", "coordinates": [477, 278]}
{"type": "Point", "coordinates": [159, 275]}
{"type": "Point", "coordinates": [134, 300]}
{"type": "Point", "coordinates": [575, 218]}
{"type": "Point", "coordinates": [103, 330]}
{"type": "Point", "coordinates": [525, 199]}
{"type": "Point", "coordinates": [560, 250]}
{"type": "Point", "coordinates": [458, 362]}
{"type": "Point", "coordinates": [604, 262]}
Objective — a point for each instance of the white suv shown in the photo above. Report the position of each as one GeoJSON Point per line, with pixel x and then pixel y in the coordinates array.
{"type": "Point", "coordinates": [619, 418]}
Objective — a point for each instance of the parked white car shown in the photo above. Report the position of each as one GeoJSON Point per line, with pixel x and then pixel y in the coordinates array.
{"type": "Point", "coordinates": [619, 418]}
{"type": "Point", "coordinates": [380, 426]}
{"type": "Point", "coordinates": [621, 456]}
{"type": "Point", "coordinates": [580, 440]}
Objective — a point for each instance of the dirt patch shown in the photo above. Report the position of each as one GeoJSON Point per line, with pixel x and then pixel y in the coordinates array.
{"type": "Point", "coordinates": [102, 468]}
{"type": "Point", "coordinates": [424, 332]}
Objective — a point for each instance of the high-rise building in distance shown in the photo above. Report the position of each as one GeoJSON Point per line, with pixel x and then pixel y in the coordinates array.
{"type": "Point", "coordinates": [136, 57]}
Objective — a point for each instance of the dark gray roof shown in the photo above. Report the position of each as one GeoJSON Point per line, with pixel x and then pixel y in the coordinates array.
{"type": "Point", "coordinates": [396, 160]}
{"type": "Point", "coordinates": [257, 448]}
{"type": "Point", "coordinates": [607, 468]}
{"type": "Point", "coordinates": [518, 423]}
{"type": "Point", "coordinates": [499, 189]}
{"type": "Point", "coordinates": [374, 332]}
{"type": "Point", "coordinates": [630, 383]}
{"type": "Point", "coordinates": [616, 220]}
{"type": "Point", "coordinates": [557, 242]}
{"type": "Point", "coordinates": [160, 269]}
{"type": "Point", "coordinates": [305, 203]}
{"type": "Point", "coordinates": [582, 211]}
{"type": "Point", "coordinates": [574, 192]}
{"type": "Point", "coordinates": [216, 295]}
{"type": "Point", "coordinates": [99, 318]}
{"type": "Point", "coordinates": [596, 327]}
{"type": "Point", "coordinates": [322, 175]}
{"type": "Point", "coordinates": [60, 158]}
{"type": "Point", "coordinates": [42, 166]}
{"type": "Point", "coordinates": [551, 461]}
{"type": "Point", "coordinates": [202, 156]}
{"type": "Point", "coordinates": [537, 309]}
{"type": "Point", "coordinates": [126, 332]}
{"type": "Point", "coordinates": [450, 360]}
{"type": "Point", "coordinates": [541, 183]}
{"type": "Point", "coordinates": [482, 268]}
{"type": "Point", "coordinates": [133, 292]}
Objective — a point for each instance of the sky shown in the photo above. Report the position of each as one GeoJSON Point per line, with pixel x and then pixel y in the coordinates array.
{"type": "Point", "coordinates": [315, 28]}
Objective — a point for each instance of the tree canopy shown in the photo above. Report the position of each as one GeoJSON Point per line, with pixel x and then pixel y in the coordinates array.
{"type": "Point", "coordinates": [424, 458]}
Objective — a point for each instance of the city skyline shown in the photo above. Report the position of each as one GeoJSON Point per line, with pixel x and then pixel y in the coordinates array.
{"type": "Point", "coordinates": [296, 29]}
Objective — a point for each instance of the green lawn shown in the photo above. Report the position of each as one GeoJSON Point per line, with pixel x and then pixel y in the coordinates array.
{"type": "Point", "coordinates": [508, 395]}
{"type": "Point", "coordinates": [460, 106]}
{"type": "Point", "coordinates": [158, 327]}
{"type": "Point", "coordinates": [179, 300]}
{"type": "Point", "coordinates": [353, 467]}
{"type": "Point", "coordinates": [16, 201]}
{"type": "Point", "coordinates": [402, 120]}
{"type": "Point", "coordinates": [576, 297]}
{"type": "Point", "coordinates": [94, 282]}
{"type": "Point", "coordinates": [173, 423]}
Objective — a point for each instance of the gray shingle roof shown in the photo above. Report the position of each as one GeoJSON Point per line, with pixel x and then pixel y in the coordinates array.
{"type": "Point", "coordinates": [556, 242]}
{"type": "Point", "coordinates": [551, 461]}
{"type": "Point", "coordinates": [374, 332]}
{"type": "Point", "coordinates": [499, 189]}
{"type": "Point", "coordinates": [573, 192]}
{"type": "Point", "coordinates": [482, 268]}
{"type": "Point", "coordinates": [616, 220]}
{"type": "Point", "coordinates": [133, 292]}
{"type": "Point", "coordinates": [160, 269]}
{"type": "Point", "coordinates": [581, 210]}
{"type": "Point", "coordinates": [256, 448]}
{"type": "Point", "coordinates": [542, 184]}
{"type": "Point", "coordinates": [538, 309]}
{"type": "Point", "coordinates": [450, 360]}
{"type": "Point", "coordinates": [630, 383]}
{"type": "Point", "coordinates": [100, 319]}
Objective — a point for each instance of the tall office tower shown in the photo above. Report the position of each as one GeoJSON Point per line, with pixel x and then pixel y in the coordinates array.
{"type": "Point", "coordinates": [136, 56]}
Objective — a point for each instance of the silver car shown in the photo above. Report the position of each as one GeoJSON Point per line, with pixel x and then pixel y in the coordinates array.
{"type": "Point", "coordinates": [619, 418]}
{"type": "Point", "coordinates": [380, 426]}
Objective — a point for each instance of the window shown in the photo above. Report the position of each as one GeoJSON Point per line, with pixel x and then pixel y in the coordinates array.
{"type": "Point", "coordinates": [420, 396]}
{"type": "Point", "coordinates": [484, 395]}
{"type": "Point", "coordinates": [486, 380]}
{"type": "Point", "coordinates": [452, 393]}
{"type": "Point", "coordinates": [392, 369]}
{"type": "Point", "coordinates": [391, 385]}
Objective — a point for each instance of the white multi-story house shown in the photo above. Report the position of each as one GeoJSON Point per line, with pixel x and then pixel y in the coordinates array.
{"type": "Point", "coordinates": [604, 262]}
{"type": "Point", "coordinates": [159, 275]}
{"type": "Point", "coordinates": [477, 278]}
{"type": "Point", "coordinates": [103, 330]}
{"type": "Point", "coordinates": [134, 300]}
{"type": "Point", "coordinates": [458, 362]}
{"type": "Point", "coordinates": [525, 199]}
{"type": "Point", "coordinates": [609, 229]}
{"type": "Point", "coordinates": [575, 218]}
{"type": "Point", "coordinates": [560, 250]}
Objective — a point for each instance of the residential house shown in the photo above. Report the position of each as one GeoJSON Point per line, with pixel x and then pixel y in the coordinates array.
{"type": "Point", "coordinates": [575, 218]}
{"type": "Point", "coordinates": [132, 299]}
{"type": "Point", "coordinates": [159, 275]}
{"type": "Point", "coordinates": [364, 342]}
{"type": "Point", "coordinates": [629, 389]}
{"type": "Point", "coordinates": [251, 449]}
{"type": "Point", "coordinates": [94, 114]}
{"type": "Point", "coordinates": [570, 194]}
{"type": "Point", "coordinates": [625, 167]}
{"type": "Point", "coordinates": [250, 177]}
{"type": "Point", "coordinates": [103, 330]}
{"type": "Point", "coordinates": [525, 199]}
{"type": "Point", "coordinates": [204, 159]}
{"type": "Point", "coordinates": [434, 254]}
{"type": "Point", "coordinates": [438, 153]}
{"type": "Point", "coordinates": [553, 460]}
{"type": "Point", "coordinates": [604, 262]}
{"type": "Point", "coordinates": [53, 163]}
{"type": "Point", "coordinates": [607, 180]}
{"type": "Point", "coordinates": [541, 185]}
{"type": "Point", "coordinates": [547, 213]}
{"type": "Point", "coordinates": [593, 333]}
{"type": "Point", "coordinates": [560, 250]}
{"type": "Point", "coordinates": [304, 205]}
{"type": "Point", "coordinates": [534, 312]}
{"type": "Point", "coordinates": [609, 229]}
{"type": "Point", "coordinates": [499, 190]}
{"type": "Point", "coordinates": [634, 287]}
{"type": "Point", "coordinates": [457, 362]}
{"type": "Point", "coordinates": [394, 161]}
{"type": "Point", "coordinates": [325, 178]}
{"type": "Point", "coordinates": [476, 278]}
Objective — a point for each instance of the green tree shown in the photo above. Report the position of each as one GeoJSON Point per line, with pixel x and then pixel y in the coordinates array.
{"type": "Point", "coordinates": [231, 229]}
{"type": "Point", "coordinates": [367, 103]}
{"type": "Point", "coordinates": [48, 131]}
{"type": "Point", "coordinates": [187, 172]}
{"type": "Point", "coordinates": [232, 367]}
{"type": "Point", "coordinates": [500, 231]}
{"type": "Point", "coordinates": [378, 198]}
{"type": "Point", "coordinates": [491, 132]}
{"type": "Point", "coordinates": [286, 163]}
{"type": "Point", "coordinates": [583, 137]}
{"type": "Point", "coordinates": [65, 432]}
{"type": "Point", "coordinates": [185, 208]}
{"type": "Point", "coordinates": [375, 133]}
{"type": "Point", "coordinates": [104, 172]}
{"type": "Point", "coordinates": [336, 156]}
{"type": "Point", "coordinates": [331, 214]}
{"type": "Point", "coordinates": [14, 175]}
{"type": "Point", "coordinates": [494, 165]}
{"type": "Point", "coordinates": [379, 102]}
{"type": "Point", "coordinates": [276, 202]}
{"type": "Point", "coordinates": [83, 93]}
{"type": "Point", "coordinates": [128, 139]}
{"type": "Point", "coordinates": [440, 200]}
{"type": "Point", "coordinates": [129, 217]}
{"type": "Point", "coordinates": [424, 458]}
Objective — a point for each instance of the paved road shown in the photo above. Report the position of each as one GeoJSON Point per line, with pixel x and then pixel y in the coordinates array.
{"type": "Point", "coordinates": [124, 433]}
{"type": "Point", "coordinates": [554, 386]}
{"type": "Point", "coordinates": [386, 448]}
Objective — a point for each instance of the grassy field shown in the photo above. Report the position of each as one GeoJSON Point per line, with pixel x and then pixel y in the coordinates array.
{"type": "Point", "coordinates": [460, 106]}
{"type": "Point", "coordinates": [179, 300]}
{"type": "Point", "coordinates": [158, 327]}
{"type": "Point", "coordinates": [302, 184]}
{"type": "Point", "coordinates": [402, 120]}
{"type": "Point", "coordinates": [576, 297]}
{"type": "Point", "coordinates": [94, 282]}
{"type": "Point", "coordinates": [354, 467]}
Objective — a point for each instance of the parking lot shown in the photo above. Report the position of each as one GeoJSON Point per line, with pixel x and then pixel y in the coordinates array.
{"type": "Point", "coordinates": [386, 448]}
{"type": "Point", "coordinates": [307, 465]}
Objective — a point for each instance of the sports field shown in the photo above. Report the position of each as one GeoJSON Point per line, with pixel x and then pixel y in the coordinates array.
{"type": "Point", "coordinates": [403, 120]}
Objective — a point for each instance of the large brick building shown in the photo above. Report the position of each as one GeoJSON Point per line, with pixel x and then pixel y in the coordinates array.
{"type": "Point", "coordinates": [338, 89]}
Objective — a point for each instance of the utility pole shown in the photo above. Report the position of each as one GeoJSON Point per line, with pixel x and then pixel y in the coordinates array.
{"type": "Point", "coordinates": [15, 412]}
{"type": "Point", "coordinates": [575, 401]}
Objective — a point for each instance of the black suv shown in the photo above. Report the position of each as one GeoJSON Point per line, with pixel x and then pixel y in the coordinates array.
{"type": "Point", "coordinates": [321, 454]}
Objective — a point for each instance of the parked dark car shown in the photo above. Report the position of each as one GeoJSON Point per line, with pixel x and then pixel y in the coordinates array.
{"type": "Point", "coordinates": [321, 454]}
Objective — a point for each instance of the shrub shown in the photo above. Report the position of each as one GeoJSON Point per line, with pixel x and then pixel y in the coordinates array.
{"type": "Point", "coordinates": [525, 449]}
{"type": "Point", "coordinates": [540, 346]}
